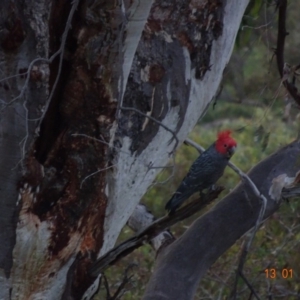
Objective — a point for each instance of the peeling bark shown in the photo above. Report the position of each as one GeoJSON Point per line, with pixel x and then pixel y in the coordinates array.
{"type": "Point", "coordinates": [136, 148]}
{"type": "Point", "coordinates": [85, 163]}
{"type": "Point", "coordinates": [142, 218]}
{"type": "Point", "coordinates": [19, 46]}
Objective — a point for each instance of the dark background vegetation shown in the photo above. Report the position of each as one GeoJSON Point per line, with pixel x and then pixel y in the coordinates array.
{"type": "Point", "coordinates": [253, 103]}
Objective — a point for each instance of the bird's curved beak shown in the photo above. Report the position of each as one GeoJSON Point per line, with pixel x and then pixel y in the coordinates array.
{"type": "Point", "coordinates": [231, 151]}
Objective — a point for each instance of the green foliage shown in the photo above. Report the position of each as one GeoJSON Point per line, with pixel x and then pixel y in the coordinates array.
{"type": "Point", "coordinates": [249, 21]}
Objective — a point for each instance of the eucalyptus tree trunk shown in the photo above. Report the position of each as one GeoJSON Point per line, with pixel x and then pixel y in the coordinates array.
{"type": "Point", "coordinates": [94, 96]}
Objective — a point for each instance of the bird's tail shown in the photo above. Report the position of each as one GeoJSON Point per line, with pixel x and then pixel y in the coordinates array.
{"type": "Point", "coordinates": [174, 203]}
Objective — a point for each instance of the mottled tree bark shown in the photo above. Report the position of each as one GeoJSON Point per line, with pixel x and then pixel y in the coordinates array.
{"type": "Point", "coordinates": [73, 162]}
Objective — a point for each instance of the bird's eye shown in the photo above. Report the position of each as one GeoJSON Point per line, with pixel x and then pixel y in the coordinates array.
{"type": "Point", "coordinates": [225, 145]}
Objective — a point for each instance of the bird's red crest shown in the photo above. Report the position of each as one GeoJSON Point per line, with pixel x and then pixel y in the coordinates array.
{"type": "Point", "coordinates": [225, 141]}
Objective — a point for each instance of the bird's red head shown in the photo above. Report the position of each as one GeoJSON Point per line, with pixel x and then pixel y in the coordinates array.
{"type": "Point", "coordinates": [225, 144]}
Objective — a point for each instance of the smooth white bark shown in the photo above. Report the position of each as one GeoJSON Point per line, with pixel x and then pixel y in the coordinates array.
{"type": "Point", "coordinates": [131, 177]}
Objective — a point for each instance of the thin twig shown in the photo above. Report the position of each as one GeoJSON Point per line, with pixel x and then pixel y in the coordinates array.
{"type": "Point", "coordinates": [61, 51]}
{"type": "Point", "coordinates": [147, 234]}
{"type": "Point", "coordinates": [24, 87]}
{"type": "Point", "coordinates": [122, 151]}
{"type": "Point", "coordinates": [49, 61]}
{"type": "Point", "coordinates": [225, 281]}
{"type": "Point", "coordinates": [171, 175]}
{"type": "Point", "coordinates": [106, 285]}
{"type": "Point", "coordinates": [126, 279]}
{"type": "Point", "coordinates": [249, 286]}
{"type": "Point", "coordinates": [94, 173]}
{"type": "Point", "coordinates": [241, 263]}
{"type": "Point", "coordinates": [155, 121]}
{"type": "Point", "coordinates": [13, 76]}
{"type": "Point", "coordinates": [121, 57]}
{"type": "Point", "coordinates": [27, 130]}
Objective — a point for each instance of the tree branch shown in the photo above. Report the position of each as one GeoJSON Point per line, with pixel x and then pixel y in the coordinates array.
{"type": "Point", "coordinates": [249, 286]}
{"type": "Point", "coordinates": [183, 264]}
{"type": "Point", "coordinates": [147, 234]}
{"type": "Point", "coordinates": [141, 219]}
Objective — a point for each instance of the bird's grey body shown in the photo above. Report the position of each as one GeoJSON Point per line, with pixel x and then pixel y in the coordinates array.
{"type": "Point", "coordinates": [204, 172]}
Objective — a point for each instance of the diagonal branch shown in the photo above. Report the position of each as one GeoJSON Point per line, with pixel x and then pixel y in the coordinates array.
{"type": "Point", "coordinates": [150, 232]}
{"type": "Point", "coordinates": [141, 219]}
{"type": "Point", "coordinates": [249, 286]}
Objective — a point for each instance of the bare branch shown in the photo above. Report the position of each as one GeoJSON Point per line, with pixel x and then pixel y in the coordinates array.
{"type": "Point", "coordinates": [141, 219]}
{"type": "Point", "coordinates": [61, 51]}
{"type": "Point", "coordinates": [154, 120]}
{"type": "Point", "coordinates": [48, 61]}
{"type": "Point", "coordinates": [151, 231]}
{"type": "Point", "coordinates": [125, 280]}
{"type": "Point", "coordinates": [171, 175]}
{"type": "Point", "coordinates": [94, 173]}
{"type": "Point", "coordinates": [106, 285]}
{"type": "Point", "coordinates": [121, 288]}
{"type": "Point", "coordinates": [249, 286]}
{"type": "Point", "coordinates": [31, 65]}
{"type": "Point", "coordinates": [14, 76]}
